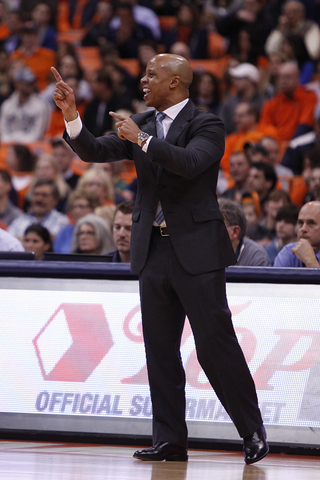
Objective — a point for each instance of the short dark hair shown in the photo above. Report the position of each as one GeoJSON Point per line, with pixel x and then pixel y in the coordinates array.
{"type": "Point", "coordinates": [279, 194]}
{"type": "Point", "coordinates": [125, 208]}
{"type": "Point", "coordinates": [268, 171]}
{"type": "Point", "coordinates": [51, 183]}
{"type": "Point", "coordinates": [42, 232]}
{"type": "Point", "coordinates": [288, 213]}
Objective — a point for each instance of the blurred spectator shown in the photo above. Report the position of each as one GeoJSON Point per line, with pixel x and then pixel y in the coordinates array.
{"type": "Point", "coordinates": [105, 99]}
{"type": "Point", "coordinates": [239, 171]}
{"type": "Point", "coordinates": [270, 83]}
{"type": "Point", "coordinates": [245, 78]}
{"type": "Point", "coordinates": [128, 34]}
{"type": "Point", "coordinates": [252, 15]}
{"type": "Point", "coordinates": [41, 15]}
{"type": "Point", "coordinates": [142, 15]}
{"type": "Point", "coordinates": [106, 212]}
{"type": "Point", "coordinates": [20, 161]}
{"type": "Point", "coordinates": [98, 32]}
{"type": "Point", "coordinates": [37, 239]}
{"type": "Point", "coordinates": [302, 144]}
{"type": "Point", "coordinates": [9, 243]}
{"type": "Point", "coordinates": [264, 231]}
{"type": "Point", "coordinates": [286, 220]}
{"type": "Point", "coordinates": [295, 50]}
{"type": "Point", "coordinates": [306, 252]}
{"type": "Point", "coordinates": [122, 225]}
{"type": "Point", "coordinates": [97, 181]}
{"type": "Point", "coordinates": [24, 116]}
{"type": "Point", "coordinates": [47, 167]}
{"type": "Point", "coordinates": [5, 79]}
{"type": "Point", "coordinates": [248, 131]}
{"type": "Point", "coordinates": [4, 28]}
{"type": "Point", "coordinates": [44, 198]}
{"type": "Point", "coordinates": [292, 20]}
{"type": "Point", "coordinates": [291, 111]}
{"type": "Point", "coordinates": [8, 211]}
{"type": "Point", "coordinates": [15, 24]}
{"type": "Point", "coordinates": [271, 145]}
{"type": "Point", "coordinates": [37, 58]}
{"type": "Point", "coordinates": [68, 66]}
{"type": "Point", "coordinates": [248, 252]}
{"type": "Point", "coordinates": [262, 179]}
{"type": "Point", "coordinates": [205, 91]}
{"type": "Point", "coordinates": [80, 203]}
{"type": "Point", "coordinates": [314, 184]}
{"type": "Point", "coordinates": [63, 156]}
{"type": "Point", "coordinates": [92, 235]}
{"type": "Point", "coordinates": [188, 30]}
{"type": "Point", "coordinates": [114, 170]}
{"type": "Point", "coordinates": [182, 49]}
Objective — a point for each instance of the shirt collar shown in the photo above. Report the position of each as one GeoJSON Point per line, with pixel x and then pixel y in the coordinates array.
{"type": "Point", "coordinates": [173, 111]}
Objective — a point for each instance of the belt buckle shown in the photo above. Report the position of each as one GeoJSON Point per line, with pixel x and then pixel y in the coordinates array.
{"type": "Point", "coordinates": [164, 232]}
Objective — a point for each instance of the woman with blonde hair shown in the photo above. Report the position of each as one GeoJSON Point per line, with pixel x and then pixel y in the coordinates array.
{"type": "Point", "coordinates": [92, 235]}
{"type": "Point", "coordinates": [98, 181]}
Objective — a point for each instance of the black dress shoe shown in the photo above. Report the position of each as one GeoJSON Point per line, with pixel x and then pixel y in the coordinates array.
{"type": "Point", "coordinates": [255, 446]}
{"type": "Point", "coordinates": [163, 451]}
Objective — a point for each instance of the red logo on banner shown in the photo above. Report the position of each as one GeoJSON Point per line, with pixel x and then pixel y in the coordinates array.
{"type": "Point", "coordinates": [83, 331]}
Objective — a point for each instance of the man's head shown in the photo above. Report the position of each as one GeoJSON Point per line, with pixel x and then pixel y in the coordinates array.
{"type": "Point", "coordinates": [81, 202]}
{"type": "Point", "coordinates": [314, 182]}
{"type": "Point", "coordinates": [262, 178]}
{"type": "Point", "coordinates": [294, 12]}
{"type": "Point", "coordinates": [101, 85]}
{"type": "Point", "coordinates": [62, 154]}
{"type": "Point", "coordinates": [234, 220]}
{"type": "Point", "coordinates": [245, 116]}
{"type": "Point", "coordinates": [44, 197]}
{"type": "Point", "coordinates": [276, 200]}
{"type": "Point", "coordinates": [271, 145]}
{"type": "Point", "coordinates": [166, 81]}
{"type": "Point", "coordinates": [245, 77]}
{"type": "Point", "coordinates": [5, 184]}
{"type": "Point", "coordinates": [286, 220]}
{"type": "Point", "coordinates": [288, 78]}
{"type": "Point", "coordinates": [239, 167]}
{"type": "Point", "coordinates": [308, 225]}
{"type": "Point", "coordinates": [122, 225]}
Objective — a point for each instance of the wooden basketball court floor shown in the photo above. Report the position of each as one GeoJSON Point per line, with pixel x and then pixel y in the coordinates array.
{"type": "Point", "coordinates": [65, 461]}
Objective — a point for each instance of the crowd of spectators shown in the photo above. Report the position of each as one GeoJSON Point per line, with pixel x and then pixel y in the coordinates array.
{"type": "Point", "coordinates": [256, 65]}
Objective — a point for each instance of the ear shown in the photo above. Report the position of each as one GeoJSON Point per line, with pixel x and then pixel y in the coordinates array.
{"type": "Point", "coordinates": [235, 230]}
{"type": "Point", "coordinates": [175, 81]}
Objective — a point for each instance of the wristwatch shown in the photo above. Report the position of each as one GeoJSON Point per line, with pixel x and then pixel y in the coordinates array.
{"type": "Point", "coordinates": [142, 137]}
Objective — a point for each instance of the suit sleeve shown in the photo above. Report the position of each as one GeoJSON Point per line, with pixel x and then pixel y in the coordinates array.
{"type": "Point", "coordinates": [202, 144]}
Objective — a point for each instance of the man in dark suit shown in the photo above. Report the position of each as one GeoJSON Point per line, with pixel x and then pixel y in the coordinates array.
{"type": "Point", "coordinates": [179, 248]}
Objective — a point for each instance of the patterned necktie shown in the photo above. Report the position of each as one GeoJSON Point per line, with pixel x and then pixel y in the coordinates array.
{"type": "Point", "coordinates": [159, 218]}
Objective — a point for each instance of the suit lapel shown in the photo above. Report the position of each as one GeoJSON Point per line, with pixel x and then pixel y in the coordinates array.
{"type": "Point", "coordinates": [180, 123]}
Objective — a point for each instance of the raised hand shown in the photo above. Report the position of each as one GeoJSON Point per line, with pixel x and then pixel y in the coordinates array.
{"type": "Point", "coordinates": [126, 128]}
{"type": "Point", "coordinates": [64, 98]}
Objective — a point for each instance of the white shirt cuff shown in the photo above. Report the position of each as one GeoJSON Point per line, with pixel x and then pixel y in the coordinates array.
{"type": "Point", "coordinates": [74, 127]}
{"type": "Point", "coordinates": [145, 146]}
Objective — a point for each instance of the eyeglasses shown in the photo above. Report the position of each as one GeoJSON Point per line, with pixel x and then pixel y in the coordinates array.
{"type": "Point", "coordinates": [86, 232]}
{"type": "Point", "coordinates": [80, 206]}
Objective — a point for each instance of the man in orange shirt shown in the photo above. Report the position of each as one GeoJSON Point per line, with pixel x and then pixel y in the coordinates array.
{"type": "Point", "coordinates": [247, 131]}
{"type": "Point", "coordinates": [291, 112]}
{"type": "Point", "coordinates": [37, 58]}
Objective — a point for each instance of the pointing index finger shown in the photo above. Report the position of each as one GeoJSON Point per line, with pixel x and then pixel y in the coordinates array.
{"type": "Point", "coordinates": [117, 116]}
{"type": "Point", "coordinates": [56, 74]}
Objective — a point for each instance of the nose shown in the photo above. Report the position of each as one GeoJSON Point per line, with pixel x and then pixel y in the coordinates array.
{"type": "Point", "coordinates": [143, 79]}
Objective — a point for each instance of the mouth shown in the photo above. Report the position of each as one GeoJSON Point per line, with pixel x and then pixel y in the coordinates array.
{"type": "Point", "coordinates": [146, 93]}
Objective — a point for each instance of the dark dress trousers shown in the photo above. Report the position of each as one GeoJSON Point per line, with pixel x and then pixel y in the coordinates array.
{"type": "Point", "coordinates": [184, 273]}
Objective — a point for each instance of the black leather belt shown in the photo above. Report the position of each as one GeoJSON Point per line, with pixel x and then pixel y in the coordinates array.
{"type": "Point", "coordinates": [163, 231]}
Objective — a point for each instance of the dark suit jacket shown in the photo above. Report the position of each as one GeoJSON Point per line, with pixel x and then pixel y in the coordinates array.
{"type": "Point", "coordinates": [182, 173]}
